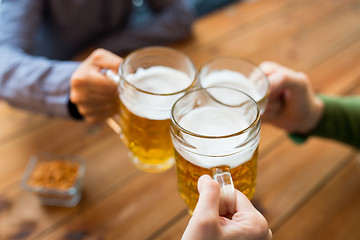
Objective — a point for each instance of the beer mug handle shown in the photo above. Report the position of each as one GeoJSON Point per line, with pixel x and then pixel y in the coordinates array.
{"type": "Point", "coordinates": [111, 122]}
{"type": "Point", "coordinates": [114, 125]}
{"type": "Point", "coordinates": [222, 175]}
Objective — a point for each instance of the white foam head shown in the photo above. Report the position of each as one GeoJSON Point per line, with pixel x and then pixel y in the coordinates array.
{"type": "Point", "coordinates": [210, 152]}
{"type": "Point", "coordinates": [155, 80]}
{"type": "Point", "coordinates": [213, 121]}
{"type": "Point", "coordinates": [228, 78]}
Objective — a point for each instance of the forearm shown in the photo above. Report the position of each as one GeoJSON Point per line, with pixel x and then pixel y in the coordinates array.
{"type": "Point", "coordinates": [35, 83]}
{"type": "Point", "coordinates": [340, 121]}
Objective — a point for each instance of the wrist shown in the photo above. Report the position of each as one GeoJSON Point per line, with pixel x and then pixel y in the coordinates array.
{"type": "Point", "coordinates": [318, 111]}
{"type": "Point", "coordinates": [314, 116]}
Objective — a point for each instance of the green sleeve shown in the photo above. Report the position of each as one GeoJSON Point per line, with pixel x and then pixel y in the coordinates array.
{"type": "Point", "coordinates": [340, 121]}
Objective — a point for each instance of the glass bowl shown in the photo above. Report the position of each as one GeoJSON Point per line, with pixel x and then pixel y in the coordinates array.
{"type": "Point", "coordinates": [55, 179]}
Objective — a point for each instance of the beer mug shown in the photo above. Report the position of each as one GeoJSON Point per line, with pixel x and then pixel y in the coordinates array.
{"type": "Point", "coordinates": [150, 81]}
{"type": "Point", "coordinates": [237, 73]}
{"type": "Point", "coordinates": [216, 131]}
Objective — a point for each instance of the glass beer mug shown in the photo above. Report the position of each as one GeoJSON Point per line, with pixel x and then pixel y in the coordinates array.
{"type": "Point", "coordinates": [216, 131]}
{"type": "Point", "coordinates": [150, 81]}
{"type": "Point", "coordinates": [237, 73]}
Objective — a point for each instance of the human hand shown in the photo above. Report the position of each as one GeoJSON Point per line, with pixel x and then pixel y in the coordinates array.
{"type": "Point", "coordinates": [206, 223]}
{"type": "Point", "coordinates": [293, 104]}
{"type": "Point", "coordinates": [94, 94]}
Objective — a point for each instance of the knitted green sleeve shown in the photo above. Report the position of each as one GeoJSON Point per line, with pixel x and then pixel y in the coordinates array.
{"type": "Point", "coordinates": [340, 121]}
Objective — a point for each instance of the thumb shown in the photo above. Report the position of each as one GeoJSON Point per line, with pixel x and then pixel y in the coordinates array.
{"type": "Point", "coordinates": [269, 67]}
{"type": "Point", "coordinates": [105, 59]}
{"type": "Point", "coordinates": [208, 204]}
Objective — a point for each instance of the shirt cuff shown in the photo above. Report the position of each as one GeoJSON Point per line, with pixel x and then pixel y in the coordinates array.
{"type": "Point", "coordinates": [298, 138]}
{"type": "Point", "coordinates": [74, 112]}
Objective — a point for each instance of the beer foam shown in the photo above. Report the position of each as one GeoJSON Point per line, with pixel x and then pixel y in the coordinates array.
{"type": "Point", "coordinates": [159, 80]}
{"type": "Point", "coordinates": [214, 121]}
{"type": "Point", "coordinates": [155, 80]}
{"type": "Point", "coordinates": [228, 78]}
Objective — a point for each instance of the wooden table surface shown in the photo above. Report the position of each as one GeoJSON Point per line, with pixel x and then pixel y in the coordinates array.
{"type": "Point", "coordinates": [309, 191]}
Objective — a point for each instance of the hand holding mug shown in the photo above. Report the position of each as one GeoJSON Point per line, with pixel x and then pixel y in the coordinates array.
{"type": "Point", "coordinates": [95, 95]}
{"type": "Point", "coordinates": [293, 104]}
{"type": "Point", "coordinates": [150, 80]}
{"type": "Point", "coordinates": [216, 131]}
{"type": "Point", "coordinates": [206, 223]}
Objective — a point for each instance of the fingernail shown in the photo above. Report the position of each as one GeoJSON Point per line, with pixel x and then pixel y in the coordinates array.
{"type": "Point", "coordinates": [266, 67]}
{"type": "Point", "coordinates": [275, 77]}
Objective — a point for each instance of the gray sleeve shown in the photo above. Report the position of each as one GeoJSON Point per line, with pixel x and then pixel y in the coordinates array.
{"type": "Point", "coordinates": [170, 24]}
{"type": "Point", "coordinates": [30, 82]}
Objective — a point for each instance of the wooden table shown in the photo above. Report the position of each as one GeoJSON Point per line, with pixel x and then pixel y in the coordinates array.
{"type": "Point", "coordinates": [309, 191]}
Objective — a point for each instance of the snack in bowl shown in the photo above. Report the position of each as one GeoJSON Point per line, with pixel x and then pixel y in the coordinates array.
{"type": "Point", "coordinates": [56, 179]}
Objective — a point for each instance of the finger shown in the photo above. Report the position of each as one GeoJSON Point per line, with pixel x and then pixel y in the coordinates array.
{"type": "Point", "coordinates": [253, 224]}
{"type": "Point", "coordinates": [208, 204]}
{"type": "Point", "coordinates": [89, 79]}
{"type": "Point", "coordinates": [273, 109]}
{"type": "Point", "coordinates": [99, 107]}
{"type": "Point", "coordinates": [277, 84]}
{"type": "Point", "coordinates": [87, 97]}
{"type": "Point", "coordinates": [243, 204]}
{"type": "Point", "coordinates": [269, 235]}
{"type": "Point", "coordinates": [105, 59]}
{"type": "Point", "coordinates": [269, 67]}
{"type": "Point", "coordinates": [247, 222]}
{"type": "Point", "coordinates": [93, 115]}
{"type": "Point", "coordinates": [285, 78]}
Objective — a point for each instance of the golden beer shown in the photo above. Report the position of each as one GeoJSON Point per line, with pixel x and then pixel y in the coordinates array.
{"type": "Point", "coordinates": [215, 129]}
{"type": "Point", "coordinates": [147, 139]}
{"type": "Point", "coordinates": [244, 178]}
{"type": "Point", "coordinates": [150, 80]}
{"type": "Point", "coordinates": [145, 107]}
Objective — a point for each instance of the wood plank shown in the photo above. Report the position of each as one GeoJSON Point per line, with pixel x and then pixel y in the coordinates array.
{"type": "Point", "coordinates": [108, 169]}
{"type": "Point", "coordinates": [270, 34]}
{"type": "Point", "coordinates": [243, 14]}
{"type": "Point", "coordinates": [340, 74]}
{"type": "Point", "coordinates": [176, 230]}
{"type": "Point", "coordinates": [302, 167]}
{"type": "Point", "coordinates": [53, 137]}
{"type": "Point", "coordinates": [15, 122]}
{"type": "Point", "coordinates": [270, 137]}
{"type": "Point", "coordinates": [301, 46]}
{"type": "Point", "coordinates": [332, 213]}
{"type": "Point", "coordinates": [154, 195]}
